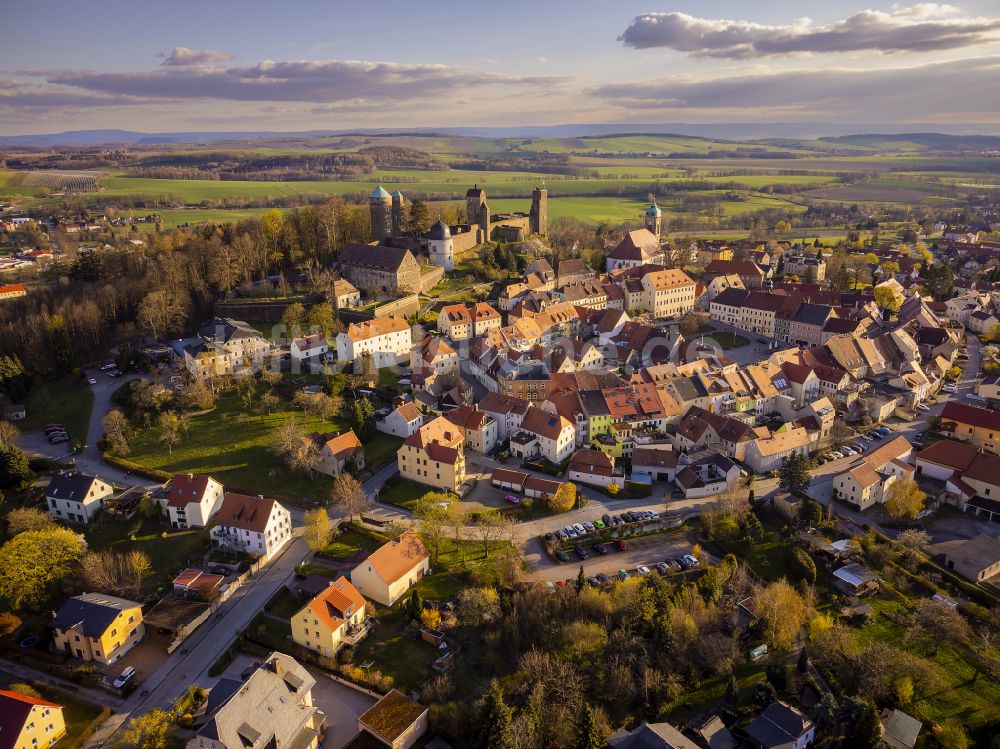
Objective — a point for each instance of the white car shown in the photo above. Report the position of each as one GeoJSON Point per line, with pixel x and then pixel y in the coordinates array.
{"type": "Point", "coordinates": [642, 569]}
{"type": "Point", "coordinates": [922, 407]}
{"type": "Point", "coordinates": [691, 560]}
{"type": "Point", "coordinates": [848, 451]}
{"type": "Point", "coordinates": [837, 455]}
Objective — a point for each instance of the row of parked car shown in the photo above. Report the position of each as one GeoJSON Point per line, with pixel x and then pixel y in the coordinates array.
{"type": "Point", "coordinates": [605, 522]}
{"type": "Point", "coordinates": [864, 442]}
{"type": "Point", "coordinates": [601, 580]}
{"type": "Point", "coordinates": [56, 433]}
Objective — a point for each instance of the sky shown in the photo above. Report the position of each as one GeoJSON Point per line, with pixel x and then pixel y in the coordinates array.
{"type": "Point", "coordinates": [216, 65]}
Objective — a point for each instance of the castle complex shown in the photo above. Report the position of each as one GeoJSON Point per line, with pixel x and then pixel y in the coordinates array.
{"type": "Point", "coordinates": [441, 242]}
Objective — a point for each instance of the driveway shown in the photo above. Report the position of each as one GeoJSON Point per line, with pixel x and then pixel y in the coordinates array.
{"type": "Point", "coordinates": [342, 706]}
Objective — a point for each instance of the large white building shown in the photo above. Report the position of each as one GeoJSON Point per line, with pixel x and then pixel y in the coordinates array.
{"type": "Point", "coordinates": [76, 497]}
{"type": "Point", "coordinates": [253, 525]}
{"type": "Point", "coordinates": [387, 339]}
{"type": "Point", "coordinates": [193, 500]}
{"type": "Point", "coordinates": [227, 347]}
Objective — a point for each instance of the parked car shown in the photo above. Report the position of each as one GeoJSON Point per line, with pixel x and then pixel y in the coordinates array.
{"type": "Point", "coordinates": [601, 549]}
{"type": "Point", "coordinates": [923, 407]}
{"type": "Point", "coordinates": [562, 535]}
{"type": "Point", "coordinates": [859, 446]}
{"type": "Point", "coordinates": [512, 499]}
{"type": "Point", "coordinates": [691, 560]}
{"type": "Point", "coordinates": [837, 455]}
{"type": "Point", "coordinates": [588, 526]}
{"type": "Point", "coordinates": [662, 568]}
{"type": "Point", "coordinates": [848, 451]}
{"type": "Point", "coordinates": [220, 570]}
{"type": "Point", "coordinates": [570, 531]}
{"type": "Point", "coordinates": [622, 545]}
{"type": "Point", "coordinates": [593, 582]}
{"type": "Point", "coordinates": [607, 520]}
{"type": "Point", "coordinates": [92, 381]}
{"type": "Point", "coordinates": [562, 556]}
{"type": "Point", "coordinates": [623, 574]}
{"type": "Point", "coordinates": [642, 570]}
{"type": "Point", "coordinates": [673, 565]}
{"type": "Point", "coordinates": [59, 439]}
{"type": "Point", "coordinates": [599, 525]}
{"type": "Point", "coordinates": [580, 530]}
{"type": "Point", "coordinates": [125, 677]}
{"type": "Point", "coordinates": [884, 431]}
{"type": "Point", "coordinates": [603, 579]}
{"type": "Point", "coordinates": [582, 553]}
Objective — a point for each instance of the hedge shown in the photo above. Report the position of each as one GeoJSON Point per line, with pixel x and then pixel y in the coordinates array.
{"type": "Point", "coordinates": [139, 470]}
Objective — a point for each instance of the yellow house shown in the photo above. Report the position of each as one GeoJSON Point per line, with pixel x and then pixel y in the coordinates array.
{"type": "Point", "coordinates": [434, 455]}
{"type": "Point", "coordinates": [334, 618]}
{"type": "Point", "coordinates": [863, 485]}
{"type": "Point", "coordinates": [389, 571]}
{"type": "Point", "coordinates": [97, 627]}
{"type": "Point", "coordinates": [28, 722]}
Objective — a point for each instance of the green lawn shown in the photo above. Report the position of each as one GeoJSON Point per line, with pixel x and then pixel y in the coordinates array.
{"type": "Point", "coordinates": [350, 542]}
{"type": "Point", "coordinates": [68, 401]}
{"type": "Point", "coordinates": [270, 632]}
{"type": "Point", "coordinates": [169, 554]}
{"type": "Point", "coordinates": [380, 450]}
{"type": "Point", "coordinates": [233, 446]}
{"type": "Point", "coordinates": [727, 339]}
{"type": "Point", "coordinates": [404, 493]}
{"type": "Point", "coordinates": [285, 604]}
{"type": "Point", "coordinates": [390, 650]}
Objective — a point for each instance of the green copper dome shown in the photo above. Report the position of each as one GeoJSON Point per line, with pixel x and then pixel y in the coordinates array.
{"type": "Point", "coordinates": [380, 193]}
{"type": "Point", "coordinates": [653, 210]}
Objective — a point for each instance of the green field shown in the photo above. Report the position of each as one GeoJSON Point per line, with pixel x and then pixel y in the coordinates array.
{"type": "Point", "coordinates": [232, 445]}
{"type": "Point", "coordinates": [67, 401]}
{"type": "Point", "coordinates": [177, 216]}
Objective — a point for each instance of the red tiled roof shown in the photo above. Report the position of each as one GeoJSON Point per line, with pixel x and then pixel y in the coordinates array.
{"type": "Point", "coordinates": [977, 417]}
{"type": "Point", "coordinates": [187, 487]}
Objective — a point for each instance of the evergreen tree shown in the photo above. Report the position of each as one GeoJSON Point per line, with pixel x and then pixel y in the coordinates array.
{"type": "Point", "coordinates": [732, 690]}
{"type": "Point", "coordinates": [416, 604]}
{"type": "Point", "coordinates": [581, 580]}
{"type": "Point", "coordinates": [793, 475]}
{"type": "Point", "coordinates": [867, 733]}
{"type": "Point", "coordinates": [14, 468]}
{"type": "Point", "coordinates": [497, 719]}
{"type": "Point", "coordinates": [587, 737]}
{"type": "Point", "coordinates": [420, 219]}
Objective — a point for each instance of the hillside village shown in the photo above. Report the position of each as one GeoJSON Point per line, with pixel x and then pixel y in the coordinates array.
{"type": "Point", "coordinates": [706, 494]}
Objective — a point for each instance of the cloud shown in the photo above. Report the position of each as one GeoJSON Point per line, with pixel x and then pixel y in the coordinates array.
{"type": "Point", "coordinates": [918, 28]}
{"type": "Point", "coordinates": [181, 56]}
{"type": "Point", "coordinates": [17, 95]}
{"type": "Point", "coordinates": [894, 93]}
{"type": "Point", "coordinates": [317, 82]}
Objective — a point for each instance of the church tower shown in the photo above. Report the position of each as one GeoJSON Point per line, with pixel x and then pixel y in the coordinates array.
{"type": "Point", "coordinates": [380, 208]}
{"type": "Point", "coordinates": [538, 219]}
{"type": "Point", "coordinates": [654, 218]}
{"type": "Point", "coordinates": [398, 214]}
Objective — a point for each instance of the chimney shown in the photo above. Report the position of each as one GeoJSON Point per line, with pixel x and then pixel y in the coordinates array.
{"type": "Point", "coordinates": [276, 665]}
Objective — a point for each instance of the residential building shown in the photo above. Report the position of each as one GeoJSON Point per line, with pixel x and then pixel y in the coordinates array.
{"type": "Point", "coordinates": [781, 726]}
{"type": "Point", "coordinates": [193, 500]}
{"type": "Point", "coordinates": [455, 321]}
{"type": "Point", "coordinates": [29, 722]}
{"type": "Point", "coordinates": [807, 324]}
{"type": "Point", "coordinates": [197, 584]}
{"type": "Point", "coordinates": [809, 268]}
{"type": "Point", "coordinates": [226, 347]}
{"type": "Point", "coordinates": [751, 274]}
{"type": "Point", "coordinates": [377, 269]}
{"type": "Point", "coordinates": [596, 468]}
{"type": "Point", "coordinates": [981, 322]}
{"type": "Point", "coordinates": [485, 318]}
{"type": "Point", "coordinates": [716, 286]}
{"type": "Point", "coordinates": [589, 294]}
{"type": "Point", "coordinates": [345, 295]}
{"type": "Point", "coordinates": [506, 410]}
{"type": "Point", "coordinates": [767, 453]}
{"type": "Point", "coordinates": [544, 434]}
{"type": "Point", "coordinates": [434, 455]}
{"type": "Point", "coordinates": [869, 481]}
{"type": "Point", "coordinates": [97, 627]}
{"type": "Point", "coordinates": [308, 347]}
{"type": "Point", "coordinates": [979, 426]}
{"type": "Point", "coordinates": [395, 721]}
{"type": "Point", "coordinates": [727, 305]}
{"type": "Point", "coordinates": [387, 339]}
{"type": "Point", "coordinates": [479, 429]}
{"type": "Point", "coordinates": [76, 497]}
{"type": "Point", "coordinates": [12, 291]}
{"type": "Point", "coordinates": [650, 736]}
{"type": "Point", "coordinates": [253, 525]}
{"type": "Point", "coordinates": [392, 569]}
{"type": "Point", "coordinates": [976, 559]}
{"type": "Point", "coordinates": [658, 462]}
{"type": "Point", "coordinates": [572, 271]}
{"type": "Point", "coordinates": [402, 421]}
{"type": "Point", "coordinates": [529, 380]}
{"type": "Point", "coordinates": [705, 474]}
{"type": "Point", "coordinates": [668, 293]}
{"type": "Point", "coordinates": [334, 618]}
{"type": "Point", "coordinates": [273, 707]}
{"type": "Point", "coordinates": [433, 354]}
{"type": "Point", "coordinates": [337, 453]}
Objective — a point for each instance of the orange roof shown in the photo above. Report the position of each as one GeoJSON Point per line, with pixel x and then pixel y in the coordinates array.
{"type": "Point", "coordinates": [457, 313]}
{"type": "Point", "coordinates": [248, 513]}
{"type": "Point", "coordinates": [409, 412]}
{"type": "Point", "coordinates": [187, 487]}
{"type": "Point", "coordinates": [7, 288]}
{"type": "Point", "coordinates": [337, 603]}
{"type": "Point", "coordinates": [340, 445]}
{"type": "Point", "coordinates": [484, 311]}
{"type": "Point", "coordinates": [379, 326]}
{"type": "Point", "coordinates": [669, 279]}
{"type": "Point", "coordinates": [397, 557]}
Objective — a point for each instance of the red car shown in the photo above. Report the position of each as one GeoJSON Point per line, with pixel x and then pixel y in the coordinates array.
{"type": "Point", "coordinates": [622, 545]}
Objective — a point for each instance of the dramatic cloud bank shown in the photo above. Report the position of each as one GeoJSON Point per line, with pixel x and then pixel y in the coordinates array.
{"type": "Point", "coordinates": [319, 82]}
{"type": "Point", "coordinates": [893, 92]}
{"type": "Point", "coordinates": [918, 28]}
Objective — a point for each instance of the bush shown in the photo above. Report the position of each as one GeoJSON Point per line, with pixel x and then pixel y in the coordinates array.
{"type": "Point", "coordinates": [139, 470]}
{"type": "Point", "coordinates": [804, 566]}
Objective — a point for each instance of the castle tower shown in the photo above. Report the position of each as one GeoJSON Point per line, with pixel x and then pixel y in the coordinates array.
{"type": "Point", "coordinates": [484, 220]}
{"type": "Point", "coordinates": [380, 208]}
{"type": "Point", "coordinates": [475, 199]}
{"type": "Point", "coordinates": [538, 220]}
{"type": "Point", "coordinates": [654, 218]}
{"type": "Point", "coordinates": [398, 214]}
{"type": "Point", "coordinates": [440, 246]}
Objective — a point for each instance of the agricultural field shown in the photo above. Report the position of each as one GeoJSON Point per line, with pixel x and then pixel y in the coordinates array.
{"type": "Point", "coordinates": [178, 216]}
{"type": "Point", "coordinates": [55, 180]}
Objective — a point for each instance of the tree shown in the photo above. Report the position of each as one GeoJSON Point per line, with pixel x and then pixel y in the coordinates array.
{"type": "Point", "coordinates": [887, 299]}
{"type": "Point", "coordinates": [490, 528]}
{"type": "Point", "coordinates": [318, 528]}
{"type": "Point", "coordinates": [349, 496]}
{"type": "Point", "coordinates": [430, 618]}
{"type": "Point", "coordinates": [478, 606]}
{"type": "Point", "coordinates": [497, 718]}
{"type": "Point", "coordinates": [436, 512]}
{"type": "Point", "coordinates": [10, 436]}
{"type": "Point", "coordinates": [120, 574]}
{"type": "Point", "coordinates": [867, 733]}
{"type": "Point", "coordinates": [937, 624]}
{"type": "Point", "coordinates": [416, 604]}
{"type": "Point", "coordinates": [117, 431]}
{"type": "Point", "coordinates": [161, 313]}
{"type": "Point", "coordinates": [169, 425]}
{"type": "Point", "coordinates": [14, 468]}
{"type": "Point", "coordinates": [783, 611]}
{"type": "Point", "coordinates": [905, 500]}
{"type": "Point", "coordinates": [613, 489]}
{"type": "Point", "coordinates": [914, 538]}
{"type": "Point", "coordinates": [732, 691]}
{"type": "Point", "coordinates": [581, 580]}
{"type": "Point", "coordinates": [363, 415]}
{"type": "Point", "coordinates": [293, 319]}
{"type": "Point", "coordinates": [805, 567]}
{"type": "Point", "coordinates": [32, 563]}
{"type": "Point", "coordinates": [810, 512]}
{"type": "Point", "coordinates": [149, 731]}
{"type": "Point", "coordinates": [26, 689]}
{"type": "Point", "coordinates": [420, 220]}
{"type": "Point", "coordinates": [196, 396]}
{"type": "Point", "coordinates": [793, 475]}
{"type": "Point", "coordinates": [9, 623]}
{"type": "Point", "coordinates": [587, 736]}
{"type": "Point", "coordinates": [803, 664]}
{"type": "Point", "coordinates": [23, 519]}
{"type": "Point", "coordinates": [564, 499]}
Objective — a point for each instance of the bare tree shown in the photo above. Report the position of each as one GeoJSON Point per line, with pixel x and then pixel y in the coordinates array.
{"type": "Point", "coordinates": [116, 431]}
{"type": "Point", "coordinates": [22, 519]}
{"type": "Point", "coordinates": [9, 435]}
{"type": "Point", "coordinates": [490, 528]}
{"type": "Point", "coordinates": [114, 573]}
{"type": "Point", "coordinates": [348, 496]}
{"type": "Point", "coordinates": [170, 430]}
